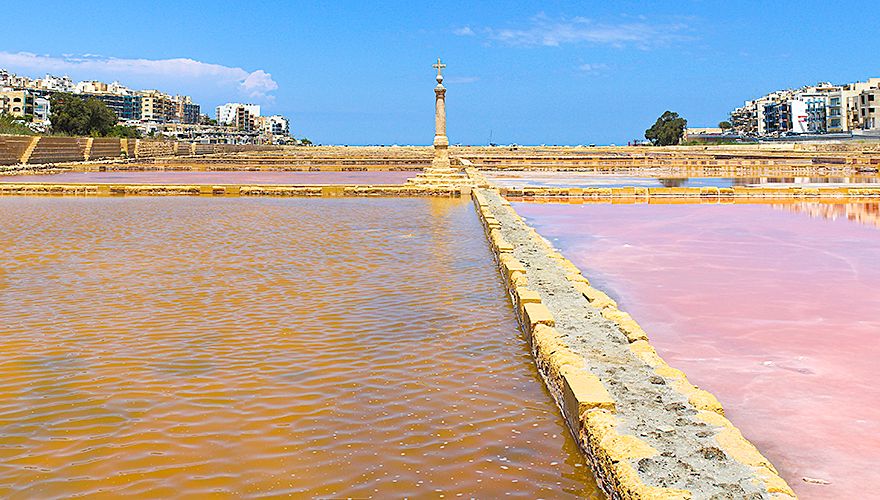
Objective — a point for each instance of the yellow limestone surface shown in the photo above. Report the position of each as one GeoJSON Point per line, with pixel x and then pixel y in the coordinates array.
{"type": "Point", "coordinates": [613, 454]}
{"type": "Point", "coordinates": [731, 440]}
{"type": "Point", "coordinates": [626, 323]}
{"type": "Point", "coordinates": [537, 313]}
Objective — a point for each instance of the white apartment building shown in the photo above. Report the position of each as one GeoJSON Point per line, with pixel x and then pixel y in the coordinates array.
{"type": "Point", "coordinates": [119, 89]}
{"type": "Point", "coordinates": [56, 83]}
{"type": "Point", "coordinates": [91, 87]}
{"type": "Point", "coordinates": [228, 113]}
{"type": "Point", "coordinates": [273, 125]}
{"type": "Point", "coordinates": [42, 110]}
{"type": "Point", "coordinates": [868, 109]}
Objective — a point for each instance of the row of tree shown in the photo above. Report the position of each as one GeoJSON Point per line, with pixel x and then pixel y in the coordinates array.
{"type": "Point", "coordinates": [71, 115]}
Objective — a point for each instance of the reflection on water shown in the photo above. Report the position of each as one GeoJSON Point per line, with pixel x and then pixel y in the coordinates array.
{"type": "Point", "coordinates": [313, 348]}
{"type": "Point", "coordinates": [773, 311]}
{"type": "Point", "coordinates": [538, 178]}
{"type": "Point", "coordinates": [220, 177]}
{"type": "Point", "coordinates": [864, 213]}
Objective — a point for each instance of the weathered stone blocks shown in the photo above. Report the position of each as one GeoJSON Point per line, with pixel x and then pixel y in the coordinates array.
{"type": "Point", "coordinates": [536, 313]}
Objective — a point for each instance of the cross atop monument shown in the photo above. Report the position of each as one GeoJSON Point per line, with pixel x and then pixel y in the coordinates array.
{"type": "Point", "coordinates": [439, 67]}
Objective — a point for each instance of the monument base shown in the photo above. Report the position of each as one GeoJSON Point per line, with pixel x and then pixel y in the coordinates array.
{"type": "Point", "coordinates": [441, 173]}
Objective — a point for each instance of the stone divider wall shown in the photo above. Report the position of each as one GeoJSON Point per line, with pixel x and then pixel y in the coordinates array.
{"type": "Point", "coordinates": [616, 455]}
{"type": "Point", "coordinates": [312, 190]}
{"type": "Point", "coordinates": [793, 192]}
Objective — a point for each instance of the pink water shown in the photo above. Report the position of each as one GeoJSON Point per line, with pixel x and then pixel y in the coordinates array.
{"type": "Point", "coordinates": [775, 311]}
{"type": "Point", "coordinates": [220, 177]}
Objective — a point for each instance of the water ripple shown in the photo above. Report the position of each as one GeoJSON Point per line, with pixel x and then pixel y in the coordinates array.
{"type": "Point", "coordinates": [314, 348]}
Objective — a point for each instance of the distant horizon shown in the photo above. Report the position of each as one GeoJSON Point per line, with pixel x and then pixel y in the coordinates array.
{"type": "Point", "coordinates": [565, 73]}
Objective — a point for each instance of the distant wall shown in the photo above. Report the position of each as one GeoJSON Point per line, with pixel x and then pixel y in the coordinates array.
{"type": "Point", "coordinates": [57, 150]}
{"type": "Point", "coordinates": [12, 147]}
{"type": "Point", "coordinates": [16, 149]}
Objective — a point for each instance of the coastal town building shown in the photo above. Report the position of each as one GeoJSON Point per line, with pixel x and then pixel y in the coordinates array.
{"type": "Point", "coordinates": [42, 110]}
{"type": "Point", "coordinates": [17, 103]}
{"type": "Point", "coordinates": [238, 115]}
{"type": "Point", "coordinates": [90, 87]}
{"type": "Point", "coordinates": [273, 125]}
{"type": "Point", "coordinates": [824, 108]}
{"type": "Point", "coordinates": [55, 83]}
{"type": "Point", "coordinates": [150, 111]}
{"type": "Point", "coordinates": [868, 109]}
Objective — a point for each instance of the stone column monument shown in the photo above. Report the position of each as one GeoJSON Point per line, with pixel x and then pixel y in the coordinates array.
{"type": "Point", "coordinates": [441, 142]}
{"type": "Point", "coordinates": [440, 173]}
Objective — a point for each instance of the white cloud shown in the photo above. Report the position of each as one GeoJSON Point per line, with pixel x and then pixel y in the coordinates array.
{"type": "Point", "coordinates": [464, 31]}
{"type": "Point", "coordinates": [460, 80]}
{"type": "Point", "coordinates": [593, 68]}
{"type": "Point", "coordinates": [549, 32]}
{"type": "Point", "coordinates": [257, 84]}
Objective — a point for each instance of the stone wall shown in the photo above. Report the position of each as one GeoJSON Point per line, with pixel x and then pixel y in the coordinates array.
{"type": "Point", "coordinates": [332, 190]}
{"type": "Point", "coordinates": [51, 149]}
{"type": "Point", "coordinates": [644, 194]}
{"type": "Point", "coordinates": [105, 147]}
{"type": "Point", "coordinates": [647, 432]}
{"type": "Point", "coordinates": [12, 147]}
{"type": "Point", "coordinates": [58, 150]}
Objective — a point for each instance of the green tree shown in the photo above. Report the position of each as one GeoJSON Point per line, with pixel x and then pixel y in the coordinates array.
{"type": "Point", "coordinates": [305, 142]}
{"type": "Point", "coordinates": [73, 116]}
{"type": "Point", "coordinates": [13, 126]}
{"type": "Point", "coordinates": [725, 125]}
{"type": "Point", "coordinates": [667, 130]}
{"type": "Point", "coordinates": [124, 131]}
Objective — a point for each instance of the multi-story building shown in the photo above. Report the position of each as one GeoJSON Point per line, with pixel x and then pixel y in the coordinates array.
{"type": "Point", "coordinates": [42, 110]}
{"type": "Point", "coordinates": [18, 103]}
{"type": "Point", "coordinates": [744, 119]}
{"type": "Point", "coordinates": [187, 112]}
{"type": "Point", "coordinates": [13, 81]}
{"type": "Point", "coordinates": [777, 118]}
{"type": "Point", "coordinates": [55, 83]}
{"type": "Point", "coordinates": [816, 114]}
{"type": "Point", "coordinates": [272, 125]}
{"type": "Point", "coordinates": [868, 109]}
{"type": "Point", "coordinates": [233, 113]}
{"type": "Point", "coordinates": [819, 109]}
{"type": "Point", "coordinates": [126, 106]}
{"type": "Point", "coordinates": [244, 120]}
{"type": "Point", "coordinates": [158, 107]}
{"type": "Point", "coordinates": [91, 87]}
{"type": "Point", "coordinates": [150, 106]}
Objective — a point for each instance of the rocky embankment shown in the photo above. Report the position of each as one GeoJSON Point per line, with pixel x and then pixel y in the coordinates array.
{"type": "Point", "coordinates": [646, 430]}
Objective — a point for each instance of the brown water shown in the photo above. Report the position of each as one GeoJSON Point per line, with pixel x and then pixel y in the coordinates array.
{"type": "Point", "coordinates": [317, 348]}
{"type": "Point", "coordinates": [219, 177]}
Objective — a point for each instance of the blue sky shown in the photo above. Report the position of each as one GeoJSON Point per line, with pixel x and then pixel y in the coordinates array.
{"type": "Point", "coordinates": [525, 72]}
